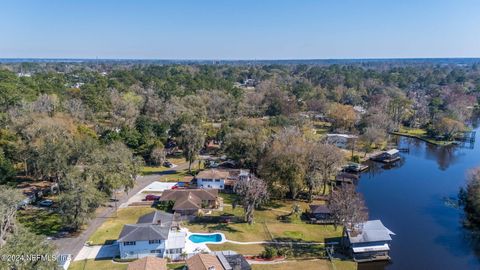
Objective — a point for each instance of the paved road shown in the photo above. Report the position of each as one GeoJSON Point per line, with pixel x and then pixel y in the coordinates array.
{"type": "Point", "coordinates": [73, 245]}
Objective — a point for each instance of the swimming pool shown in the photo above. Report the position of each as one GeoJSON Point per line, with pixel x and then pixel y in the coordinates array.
{"type": "Point", "coordinates": [206, 238]}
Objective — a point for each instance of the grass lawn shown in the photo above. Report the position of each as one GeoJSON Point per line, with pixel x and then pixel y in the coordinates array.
{"type": "Point", "coordinates": [314, 264]}
{"type": "Point", "coordinates": [41, 221]}
{"type": "Point", "coordinates": [254, 249]}
{"type": "Point", "coordinates": [111, 228]}
{"type": "Point", "coordinates": [109, 264]}
{"type": "Point", "coordinates": [268, 225]}
{"type": "Point", "coordinates": [97, 265]}
{"type": "Point", "coordinates": [419, 134]}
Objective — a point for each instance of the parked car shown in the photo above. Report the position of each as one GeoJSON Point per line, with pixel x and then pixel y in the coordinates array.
{"type": "Point", "coordinates": [175, 187]}
{"type": "Point", "coordinates": [151, 197]}
{"type": "Point", "coordinates": [168, 164]}
{"type": "Point", "coordinates": [46, 203]}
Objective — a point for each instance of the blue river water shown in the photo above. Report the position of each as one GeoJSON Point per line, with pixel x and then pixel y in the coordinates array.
{"type": "Point", "coordinates": [416, 199]}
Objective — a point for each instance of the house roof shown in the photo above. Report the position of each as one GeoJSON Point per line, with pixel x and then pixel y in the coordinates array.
{"type": "Point", "coordinates": [212, 174]}
{"type": "Point", "coordinates": [152, 226]}
{"type": "Point", "coordinates": [204, 262]}
{"type": "Point", "coordinates": [370, 231]}
{"type": "Point", "coordinates": [392, 152]}
{"type": "Point", "coordinates": [189, 199]}
{"type": "Point", "coordinates": [232, 260]}
{"type": "Point", "coordinates": [319, 209]}
{"type": "Point", "coordinates": [148, 263]}
{"type": "Point", "coordinates": [346, 136]}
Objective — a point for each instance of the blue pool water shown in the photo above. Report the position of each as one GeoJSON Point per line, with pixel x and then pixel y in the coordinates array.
{"type": "Point", "coordinates": [203, 238]}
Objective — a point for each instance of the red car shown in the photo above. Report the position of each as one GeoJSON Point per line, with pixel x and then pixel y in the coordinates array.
{"type": "Point", "coordinates": [151, 197]}
{"type": "Point", "coordinates": [175, 187]}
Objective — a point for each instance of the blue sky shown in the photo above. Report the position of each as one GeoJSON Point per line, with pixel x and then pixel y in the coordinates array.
{"type": "Point", "coordinates": [233, 29]}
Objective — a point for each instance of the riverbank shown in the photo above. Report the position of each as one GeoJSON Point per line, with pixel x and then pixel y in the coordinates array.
{"type": "Point", "coordinates": [420, 134]}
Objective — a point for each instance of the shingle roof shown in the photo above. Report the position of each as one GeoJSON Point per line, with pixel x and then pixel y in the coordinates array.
{"type": "Point", "coordinates": [212, 174]}
{"type": "Point", "coordinates": [148, 263]}
{"type": "Point", "coordinates": [189, 199]}
{"type": "Point", "coordinates": [155, 225]}
{"type": "Point", "coordinates": [204, 262]}
{"type": "Point", "coordinates": [319, 209]}
{"type": "Point", "coordinates": [143, 232]}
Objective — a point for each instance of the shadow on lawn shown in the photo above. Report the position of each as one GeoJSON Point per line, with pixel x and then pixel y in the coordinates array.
{"type": "Point", "coordinates": [298, 250]}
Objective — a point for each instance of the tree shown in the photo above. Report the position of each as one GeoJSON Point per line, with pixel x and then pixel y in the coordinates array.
{"type": "Point", "coordinates": [79, 200]}
{"type": "Point", "coordinates": [191, 140]}
{"type": "Point", "coordinates": [6, 168]}
{"type": "Point", "coordinates": [157, 155]}
{"type": "Point", "coordinates": [9, 201]}
{"type": "Point", "coordinates": [469, 198]}
{"type": "Point", "coordinates": [251, 193]}
{"type": "Point", "coordinates": [343, 116]}
{"type": "Point", "coordinates": [447, 127]}
{"type": "Point", "coordinates": [284, 163]}
{"type": "Point", "coordinates": [347, 207]}
{"type": "Point", "coordinates": [329, 160]}
{"type": "Point", "coordinates": [372, 135]}
{"type": "Point", "coordinates": [23, 243]}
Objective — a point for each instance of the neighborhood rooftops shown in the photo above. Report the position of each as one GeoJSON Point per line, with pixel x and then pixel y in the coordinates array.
{"type": "Point", "coordinates": [148, 263]}
{"type": "Point", "coordinates": [370, 231]}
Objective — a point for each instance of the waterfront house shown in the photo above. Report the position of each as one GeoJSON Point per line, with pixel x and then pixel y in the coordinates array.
{"type": "Point", "coordinates": [368, 241]}
{"type": "Point", "coordinates": [188, 202]}
{"type": "Point", "coordinates": [148, 263]}
{"type": "Point", "coordinates": [219, 260]}
{"type": "Point", "coordinates": [155, 234]}
{"type": "Point", "coordinates": [341, 140]}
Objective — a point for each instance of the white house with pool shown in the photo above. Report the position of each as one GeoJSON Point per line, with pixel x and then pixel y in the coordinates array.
{"type": "Point", "coordinates": [158, 234]}
{"type": "Point", "coordinates": [155, 234]}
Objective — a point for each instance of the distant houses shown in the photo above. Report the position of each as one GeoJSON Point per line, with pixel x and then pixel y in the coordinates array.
{"type": "Point", "coordinates": [221, 179]}
{"type": "Point", "coordinates": [155, 234]}
{"type": "Point", "coordinates": [341, 140]}
{"type": "Point", "coordinates": [368, 241]}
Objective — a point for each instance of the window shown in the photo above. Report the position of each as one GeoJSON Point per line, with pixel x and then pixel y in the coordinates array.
{"type": "Point", "coordinates": [174, 251]}
{"type": "Point", "coordinates": [217, 180]}
{"type": "Point", "coordinates": [156, 251]}
{"type": "Point", "coordinates": [131, 243]}
{"type": "Point", "coordinates": [154, 241]}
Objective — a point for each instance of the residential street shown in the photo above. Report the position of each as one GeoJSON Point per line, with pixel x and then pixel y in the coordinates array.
{"type": "Point", "coordinates": [73, 245]}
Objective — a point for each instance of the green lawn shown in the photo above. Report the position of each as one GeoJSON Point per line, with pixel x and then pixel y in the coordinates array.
{"type": "Point", "coordinates": [313, 264]}
{"type": "Point", "coordinates": [97, 265]}
{"type": "Point", "coordinates": [111, 228]}
{"type": "Point", "coordinates": [420, 134]}
{"type": "Point", "coordinates": [109, 264]}
{"type": "Point", "coordinates": [267, 224]}
{"type": "Point", "coordinates": [41, 221]}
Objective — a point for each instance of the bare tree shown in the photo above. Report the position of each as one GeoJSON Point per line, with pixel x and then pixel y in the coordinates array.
{"type": "Point", "coordinates": [347, 206]}
{"type": "Point", "coordinates": [252, 193]}
{"type": "Point", "coordinates": [329, 160]}
{"type": "Point", "coordinates": [9, 200]}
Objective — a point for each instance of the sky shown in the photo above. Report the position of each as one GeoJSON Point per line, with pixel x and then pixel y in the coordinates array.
{"type": "Point", "coordinates": [234, 29]}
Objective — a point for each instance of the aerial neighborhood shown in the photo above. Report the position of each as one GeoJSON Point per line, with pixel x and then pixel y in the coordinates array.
{"type": "Point", "coordinates": [135, 165]}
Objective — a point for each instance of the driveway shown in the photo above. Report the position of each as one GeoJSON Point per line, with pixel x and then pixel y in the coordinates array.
{"type": "Point", "coordinates": [98, 252]}
{"type": "Point", "coordinates": [73, 244]}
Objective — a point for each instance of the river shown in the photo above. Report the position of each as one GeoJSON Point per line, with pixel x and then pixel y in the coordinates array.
{"type": "Point", "coordinates": [416, 200]}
